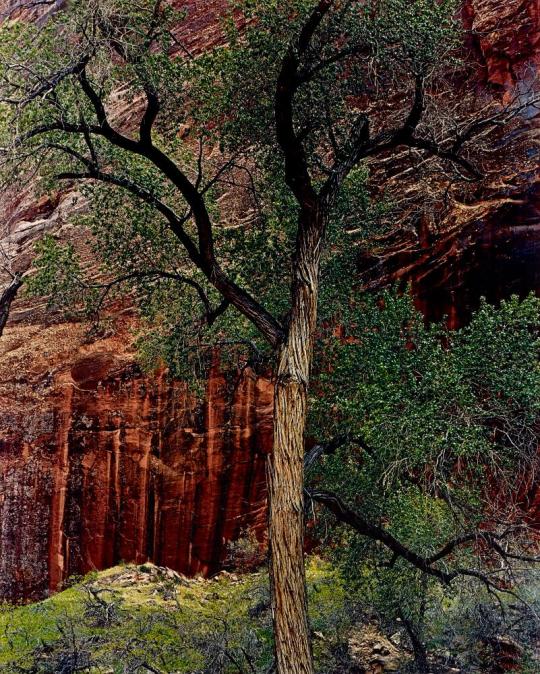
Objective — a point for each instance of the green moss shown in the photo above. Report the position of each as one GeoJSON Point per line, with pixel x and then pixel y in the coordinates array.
{"type": "Point", "coordinates": [177, 624]}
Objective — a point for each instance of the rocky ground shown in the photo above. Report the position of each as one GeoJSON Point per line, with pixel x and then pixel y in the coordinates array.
{"type": "Point", "coordinates": [174, 623]}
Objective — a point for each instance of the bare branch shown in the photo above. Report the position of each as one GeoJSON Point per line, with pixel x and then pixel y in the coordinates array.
{"type": "Point", "coordinates": [48, 84]}
{"type": "Point", "coordinates": [426, 564]}
{"type": "Point", "coordinates": [150, 114]}
{"type": "Point", "coordinates": [344, 514]}
{"type": "Point", "coordinates": [158, 274]}
{"type": "Point", "coordinates": [296, 164]}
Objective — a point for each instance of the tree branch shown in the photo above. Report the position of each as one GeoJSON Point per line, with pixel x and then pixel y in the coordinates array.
{"type": "Point", "coordinates": [175, 222]}
{"type": "Point", "coordinates": [415, 114]}
{"type": "Point", "coordinates": [357, 146]}
{"type": "Point", "coordinates": [158, 273]}
{"type": "Point", "coordinates": [307, 74]}
{"type": "Point", "coordinates": [48, 84]}
{"type": "Point", "coordinates": [204, 258]}
{"type": "Point", "coordinates": [331, 446]}
{"type": "Point", "coordinates": [150, 115]}
{"type": "Point", "coordinates": [449, 155]}
{"type": "Point", "coordinates": [296, 166]}
{"type": "Point", "coordinates": [235, 295]}
{"type": "Point", "coordinates": [348, 516]}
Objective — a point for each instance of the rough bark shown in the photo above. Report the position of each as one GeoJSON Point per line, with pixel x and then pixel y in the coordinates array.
{"type": "Point", "coordinates": [6, 300]}
{"type": "Point", "coordinates": [286, 524]}
{"type": "Point", "coordinates": [286, 471]}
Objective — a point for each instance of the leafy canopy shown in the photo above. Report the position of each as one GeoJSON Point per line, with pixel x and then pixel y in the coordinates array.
{"type": "Point", "coordinates": [215, 120]}
{"type": "Point", "coordinates": [442, 440]}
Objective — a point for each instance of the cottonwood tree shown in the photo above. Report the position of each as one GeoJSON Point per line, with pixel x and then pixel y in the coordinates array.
{"type": "Point", "coordinates": [213, 179]}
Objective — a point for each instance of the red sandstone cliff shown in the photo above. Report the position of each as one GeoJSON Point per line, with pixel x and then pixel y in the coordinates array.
{"type": "Point", "coordinates": [99, 462]}
{"type": "Point", "coordinates": [488, 241]}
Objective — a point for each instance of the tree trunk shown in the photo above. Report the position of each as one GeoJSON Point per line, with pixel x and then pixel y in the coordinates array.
{"type": "Point", "coordinates": [286, 469]}
{"type": "Point", "coordinates": [6, 299]}
{"type": "Point", "coordinates": [420, 653]}
{"type": "Point", "coordinates": [286, 524]}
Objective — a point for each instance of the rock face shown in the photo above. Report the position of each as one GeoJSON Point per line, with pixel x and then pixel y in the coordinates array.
{"type": "Point", "coordinates": [507, 38]}
{"type": "Point", "coordinates": [488, 242]}
{"type": "Point", "coordinates": [101, 463]}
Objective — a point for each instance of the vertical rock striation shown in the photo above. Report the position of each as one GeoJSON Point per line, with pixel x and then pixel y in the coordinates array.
{"type": "Point", "coordinates": [121, 466]}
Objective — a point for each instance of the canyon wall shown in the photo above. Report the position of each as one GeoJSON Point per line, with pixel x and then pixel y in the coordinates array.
{"type": "Point", "coordinates": [488, 242]}
{"type": "Point", "coordinates": [100, 462]}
